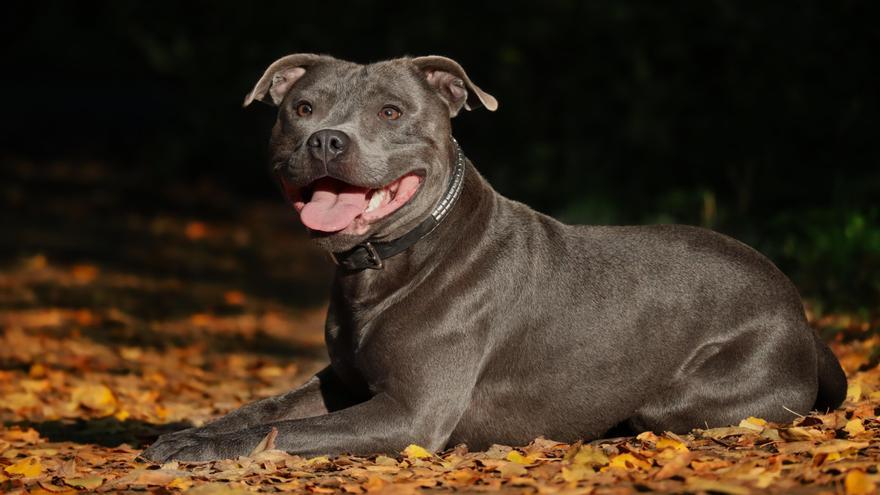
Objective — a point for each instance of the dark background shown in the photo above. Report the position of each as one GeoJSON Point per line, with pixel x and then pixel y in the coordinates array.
{"type": "Point", "coordinates": [757, 119]}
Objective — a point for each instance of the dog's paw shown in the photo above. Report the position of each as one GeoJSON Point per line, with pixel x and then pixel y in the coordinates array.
{"type": "Point", "coordinates": [187, 445]}
{"type": "Point", "coordinates": [197, 445]}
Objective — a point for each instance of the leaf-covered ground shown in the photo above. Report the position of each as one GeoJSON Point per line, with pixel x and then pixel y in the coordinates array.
{"type": "Point", "coordinates": [125, 315]}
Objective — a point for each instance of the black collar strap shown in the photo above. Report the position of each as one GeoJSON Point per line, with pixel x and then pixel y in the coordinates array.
{"type": "Point", "coordinates": [371, 254]}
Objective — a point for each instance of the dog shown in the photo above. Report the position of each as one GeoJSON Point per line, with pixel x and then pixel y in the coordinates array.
{"type": "Point", "coordinates": [460, 316]}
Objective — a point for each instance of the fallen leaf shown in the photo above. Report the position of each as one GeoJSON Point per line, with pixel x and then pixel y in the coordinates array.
{"type": "Point", "coordinates": [267, 443]}
{"type": "Point", "coordinates": [85, 482]}
{"type": "Point", "coordinates": [708, 464]}
{"type": "Point", "coordinates": [96, 397]}
{"type": "Point", "coordinates": [577, 472]}
{"type": "Point", "coordinates": [511, 469]}
{"type": "Point", "coordinates": [29, 467]}
{"type": "Point", "coordinates": [753, 423]}
{"type": "Point", "coordinates": [798, 433]}
{"type": "Point", "coordinates": [673, 466]}
{"type": "Point", "coordinates": [717, 487]}
{"type": "Point", "coordinates": [221, 489]}
{"type": "Point", "coordinates": [836, 446]}
{"type": "Point", "coordinates": [149, 477]}
{"type": "Point", "coordinates": [415, 452]}
{"type": "Point", "coordinates": [515, 456]}
{"type": "Point", "coordinates": [180, 484]}
{"type": "Point", "coordinates": [729, 431]}
{"type": "Point", "coordinates": [854, 391]}
{"type": "Point", "coordinates": [629, 462]}
{"type": "Point", "coordinates": [590, 456]}
{"type": "Point", "coordinates": [858, 483]}
{"type": "Point", "coordinates": [668, 443]}
{"type": "Point", "coordinates": [854, 427]}
{"type": "Point", "coordinates": [385, 461]}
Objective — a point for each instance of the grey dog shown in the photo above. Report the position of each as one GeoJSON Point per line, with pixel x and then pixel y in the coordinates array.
{"type": "Point", "coordinates": [459, 316]}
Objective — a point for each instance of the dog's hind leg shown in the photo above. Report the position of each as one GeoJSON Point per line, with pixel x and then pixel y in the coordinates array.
{"type": "Point", "coordinates": [758, 372]}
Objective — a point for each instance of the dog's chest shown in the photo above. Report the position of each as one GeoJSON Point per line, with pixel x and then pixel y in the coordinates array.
{"type": "Point", "coordinates": [344, 346]}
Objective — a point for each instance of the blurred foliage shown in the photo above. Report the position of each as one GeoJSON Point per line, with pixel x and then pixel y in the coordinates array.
{"type": "Point", "coordinates": [757, 119]}
{"type": "Point", "coordinates": [842, 249]}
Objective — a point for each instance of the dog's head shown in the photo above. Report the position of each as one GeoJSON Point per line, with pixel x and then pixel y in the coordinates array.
{"type": "Point", "coordinates": [364, 151]}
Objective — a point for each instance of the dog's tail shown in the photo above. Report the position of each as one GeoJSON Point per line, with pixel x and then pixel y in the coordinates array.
{"type": "Point", "coordinates": [832, 380]}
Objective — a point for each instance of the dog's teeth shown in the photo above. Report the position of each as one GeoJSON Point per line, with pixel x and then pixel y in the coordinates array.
{"type": "Point", "coordinates": [376, 200]}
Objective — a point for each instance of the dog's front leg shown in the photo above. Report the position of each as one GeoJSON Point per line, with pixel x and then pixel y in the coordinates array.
{"type": "Point", "coordinates": [382, 424]}
{"type": "Point", "coordinates": [321, 394]}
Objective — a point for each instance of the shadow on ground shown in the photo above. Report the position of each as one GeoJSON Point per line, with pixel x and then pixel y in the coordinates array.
{"type": "Point", "coordinates": [107, 432]}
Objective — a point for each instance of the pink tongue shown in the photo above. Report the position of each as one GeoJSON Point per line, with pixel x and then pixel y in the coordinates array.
{"type": "Point", "coordinates": [334, 205]}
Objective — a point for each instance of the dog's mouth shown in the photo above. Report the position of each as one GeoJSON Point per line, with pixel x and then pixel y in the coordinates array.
{"type": "Point", "coordinates": [332, 206]}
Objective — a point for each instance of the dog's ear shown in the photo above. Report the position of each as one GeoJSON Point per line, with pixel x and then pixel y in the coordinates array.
{"type": "Point", "coordinates": [453, 84]}
{"type": "Point", "coordinates": [280, 77]}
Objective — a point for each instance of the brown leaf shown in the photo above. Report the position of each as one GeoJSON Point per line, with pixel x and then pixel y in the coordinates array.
{"type": "Point", "coordinates": [510, 469]}
{"type": "Point", "coordinates": [85, 482]}
{"type": "Point", "coordinates": [837, 446]}
{"type": "Point", "coordinates": [267, 443]}
{"type": "Point", "coordinates": [673, 466]}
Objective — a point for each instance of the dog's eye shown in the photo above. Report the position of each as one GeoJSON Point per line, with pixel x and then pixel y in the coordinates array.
{"type": "Point", "coordinates": [304, 109]}
{"type": "Point", "coordinates": [389, 112]}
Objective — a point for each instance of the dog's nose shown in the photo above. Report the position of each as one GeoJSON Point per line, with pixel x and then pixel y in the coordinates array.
{"type": "Point", "coordinates": [327, 144]}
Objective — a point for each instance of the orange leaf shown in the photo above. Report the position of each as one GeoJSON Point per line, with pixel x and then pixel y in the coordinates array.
{"type": "Point", "coordinates": [629, 462]}
{"type": "Point", "coordinates": [858, 483]}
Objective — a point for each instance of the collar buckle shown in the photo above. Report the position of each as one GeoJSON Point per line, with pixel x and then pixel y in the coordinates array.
{"type": "Point", "coordinates": [373, 257]}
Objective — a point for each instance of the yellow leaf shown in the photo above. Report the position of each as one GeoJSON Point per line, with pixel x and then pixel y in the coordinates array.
{"type": "Point", "coordinates": [86, 482]}
{"type": "Point", "coordinates": [122, 415]}
{"type": "Point", "coordinates": [514, 456]}
{"type": "Point", "coordinates": [854, 391]}
{"type": "Point", "coordinates": [629, 462]}
{"type": "Point", "coordinates": [858, 483]}
{"type": "Point", "coordinates": [384, 460]}
{"type": "Point", "coordinates": [314, 461]}
{"type": "Point", "coordinates": [29, 467]}
{"type": "Point", "coordinates": [416, 452]}
{"type": "Point", "coordinates": [180, 483]}
{"type": "Point", "coordinates": [19, 401]}
{"type": "Point", "coordinates": [668, 443]}
{"type": "Point", "coordinates": [575, 473]}
{"type": "Point", "coordinates": [854, 427]}
{"type": "Point", "coordinates": [589, 456]}
{"type": "Point", "coordinates": [97, 397]}
{"type": "Point", "coordinates": [753, 423]}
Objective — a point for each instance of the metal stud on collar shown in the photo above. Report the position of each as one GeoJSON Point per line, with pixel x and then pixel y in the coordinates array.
{"type": "Point", "coordinates": [455, 185]}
